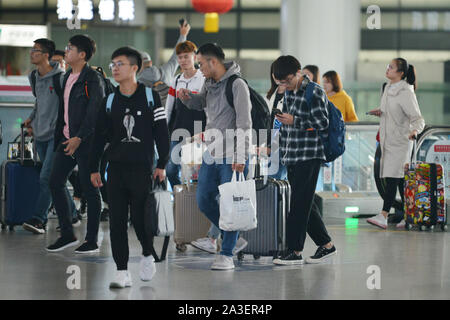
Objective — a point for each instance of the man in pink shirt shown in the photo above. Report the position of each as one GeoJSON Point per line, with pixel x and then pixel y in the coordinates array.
{"type": "Point", "coordinates": [84, 91]}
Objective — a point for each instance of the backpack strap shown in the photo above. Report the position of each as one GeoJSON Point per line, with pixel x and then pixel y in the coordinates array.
{"type": "Point", "coordinates": [57, 84]}
{"type": "Point", "coordinates": [229, 89]}
{"type": "Point", "coordinates": [149, 95]}
{"type": "Point", "coordinates": [109, 102]}
{"type": "Point", "coordinates": [33, 81]}
{"type": "Point", "coordinates": [309, 92]}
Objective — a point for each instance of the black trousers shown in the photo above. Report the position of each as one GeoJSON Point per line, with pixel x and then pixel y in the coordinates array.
{"type": "Point", "coordinates": [301, 219]}
{"type": "Point", "coordinates": [391, 191]}
{"type": "Point", "coordinates": [127, 187]}
{"type": "Point", "coordinates": [62, 167]}
{"type": "Point", "coordinates": [103, 191]}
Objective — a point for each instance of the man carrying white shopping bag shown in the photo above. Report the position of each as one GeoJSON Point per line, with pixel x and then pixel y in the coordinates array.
{"type": "Point", "coordinates": [221, 157]}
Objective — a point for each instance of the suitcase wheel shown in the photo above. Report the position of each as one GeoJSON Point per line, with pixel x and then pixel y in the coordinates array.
{"type": "Point", "coordinates": [3, 226]}
{"type": "Point", "coordinates": [408, 226]}
{"type": "Point", "coordinates": [11, 228]}
{"type": "Point", "coordinates": [423, 228]}
{"type": "Point", "coordinates": [443, 227]}
{"type": "Point", "coordinates": [240, 256]}
{"type": "Point", "coordinates": [181, 247]}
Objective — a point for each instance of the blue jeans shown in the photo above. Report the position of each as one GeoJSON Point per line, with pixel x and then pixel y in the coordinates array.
{"type": "Point", "coordinates": [46, 155]}
{"type": "Point", "coordinates": [172, 169]}
{"type": "Point", "coordinates": [213, 232]}
{"type": "Point", "coordinates": [211, 176]}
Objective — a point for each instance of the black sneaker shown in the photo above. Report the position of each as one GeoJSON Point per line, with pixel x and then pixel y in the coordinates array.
{"type": "Point", "coordinates": [62, 244]}
{"type": "Point", "coordinates": [88, 247]}
{"type": "Point", "coordinates": [104, 215]}
{"type": "Point", "coordinates": [321, 254]}
{"type": "Point", "coordinates": [289, 258]}
{"type": "Point", "coordinates": [35, 226]}
{"type": "Point", "coordinates": [75, 223]}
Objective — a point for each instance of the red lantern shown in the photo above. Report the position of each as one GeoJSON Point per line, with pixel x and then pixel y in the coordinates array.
{"type": "Point", "coordinates": [209, 6]}
{"type": "Point", "coordinates": [212, 9]}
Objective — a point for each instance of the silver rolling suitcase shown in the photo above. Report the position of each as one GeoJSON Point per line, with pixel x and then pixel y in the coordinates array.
{"type": "Point", "coordinates": [269, 238]}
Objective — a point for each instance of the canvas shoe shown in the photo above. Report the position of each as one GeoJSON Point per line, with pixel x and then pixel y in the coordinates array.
{"type": "Point", "coordinates": [223, 263]}
{"type": "Point", "coordinates": [88, 247]}
{"type": "Point", "coordinates": [122, 279]}
{"type": "Point", "coordinates": [241, 243]}
{"type": "Point", "coordinates": [35, 226]}
{"type": "Point", "coordinates": [147, 268]}
{"type": "Point", "coordinates": [206, 244]}
{"type": "Point", "coordinates": [379, 220]}
{"type": "Point", "coordinates": [321, 254]}
{"type": "Point", "coordinates": [62, 244]}
{"type": "Point", "coordinates": [401, 224]}
{"type": "Point", "coordinates": [288, 259]}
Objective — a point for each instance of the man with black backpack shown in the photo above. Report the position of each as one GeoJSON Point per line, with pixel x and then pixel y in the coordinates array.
{"type": "Point", "coordinates": [45, 83]}
{"type": "Point", "coordinates": [83, 92]}
{"type": "Point", "coordinates": [226, 153]}
{"type": "Point", "coordinates": [304, 119]}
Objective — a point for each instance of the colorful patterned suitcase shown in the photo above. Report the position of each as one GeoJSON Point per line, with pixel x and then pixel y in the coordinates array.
{"type": "Point", "coordinates": [424, 196]}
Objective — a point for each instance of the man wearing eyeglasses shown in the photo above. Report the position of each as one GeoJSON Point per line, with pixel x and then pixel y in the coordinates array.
{"type": "Point", "coordinates": [45, 83]}
{"type": "Point", "coordinates": [132, 120]}
{"type": "Point", "coordinates": [83, 92]}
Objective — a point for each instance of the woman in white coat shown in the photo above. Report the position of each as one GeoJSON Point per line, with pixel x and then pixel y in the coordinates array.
{"type": "Point", "coordinates": [400, 122]}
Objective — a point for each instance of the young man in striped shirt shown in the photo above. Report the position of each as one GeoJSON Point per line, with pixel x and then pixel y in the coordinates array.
{"type": "Point", "coordinates": [301, 150]}
{"type": "Point", "coordinates": [132, 124]}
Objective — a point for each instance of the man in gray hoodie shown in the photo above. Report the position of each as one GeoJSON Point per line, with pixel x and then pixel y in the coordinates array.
{"type": "Point", "coordinates": [230, 128]}
{"type": "Point", "coordinates": [45, 83]}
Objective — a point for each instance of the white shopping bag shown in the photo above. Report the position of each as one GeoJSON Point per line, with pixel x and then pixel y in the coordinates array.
{"type": "Point", "coordinates": [238, 204]}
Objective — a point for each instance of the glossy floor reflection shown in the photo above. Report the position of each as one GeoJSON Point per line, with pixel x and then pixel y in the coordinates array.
{"type": "Point", "coordinates": [412, 265]}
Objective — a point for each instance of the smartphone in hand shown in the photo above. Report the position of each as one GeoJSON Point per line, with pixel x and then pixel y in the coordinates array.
{"type": "Point", "coordinates": [182, 21]}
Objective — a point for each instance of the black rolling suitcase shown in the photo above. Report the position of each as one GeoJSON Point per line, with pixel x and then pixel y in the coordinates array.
{"type": "Point", "coordinates": [269, 238]}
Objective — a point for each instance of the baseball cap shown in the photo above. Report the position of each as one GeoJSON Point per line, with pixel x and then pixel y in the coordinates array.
{"type": "Point", "coordinates": [145, 56]}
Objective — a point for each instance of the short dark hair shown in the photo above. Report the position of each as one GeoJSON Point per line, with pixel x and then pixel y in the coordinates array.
{"type": "Point", "coordinates": [212, 50]}
{"type": "Point", "coordinates": [285, 66]}
{"type": "Point", "coordinates": [131, 53]}
{"type": "Point", "coordinates": [47, 46]}
{"type": "Point", "coordinates": [335, 80]}
{"type": "Point", "coordinates": [59, 53]}
{"type": "Point", "coordinates": [315, 71]}
{"type": "Point", "coordinates": [84, 43]}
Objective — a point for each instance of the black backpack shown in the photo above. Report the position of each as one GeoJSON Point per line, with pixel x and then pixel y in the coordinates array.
{"type": "Point", "coordinates": [109, 87]}
{"type": "Point", "coordinates": [56, 83]}
{"type": "Point", "coordinates": [260, 111]}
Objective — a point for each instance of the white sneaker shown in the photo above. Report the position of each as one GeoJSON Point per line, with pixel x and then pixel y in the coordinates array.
{"type": "Point", "coordinates": [223, 263]}
{"type": "Point", "coordinates": [148, 268]}
{"type": "Point", "coordinates": [121, 279]}
{"type": "Point", "coordinates": [401, 224]}
{"type": "Point", "coordinates": [241, 243]}
{"type": "Point", "coordinates": [205, 244]}
{"type": "Point", "coordinates": [379, 220]}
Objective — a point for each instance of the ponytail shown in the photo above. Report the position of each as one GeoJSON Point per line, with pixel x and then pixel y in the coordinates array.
{"type": "Point", "coordinates": [409, 72]}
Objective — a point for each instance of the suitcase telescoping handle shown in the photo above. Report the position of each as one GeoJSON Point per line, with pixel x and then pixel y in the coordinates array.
{"type": "Point", "coordinates": [22, 143]}
{"type": "Point", "coordinates": [412, 163]}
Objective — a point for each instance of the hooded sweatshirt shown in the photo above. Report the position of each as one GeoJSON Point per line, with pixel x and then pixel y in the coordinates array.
{"type": "Point", "coordinates": [45, 112]}
{"type": "Point", "coordinates": [222, 117]}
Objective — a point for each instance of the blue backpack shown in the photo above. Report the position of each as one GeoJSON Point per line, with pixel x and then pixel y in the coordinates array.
{"type": "Point", "coordinates": [148, 93]}
{"type": "Point", "coordinates": [333, 139]}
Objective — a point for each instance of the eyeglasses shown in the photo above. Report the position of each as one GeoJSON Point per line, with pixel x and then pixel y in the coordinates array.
{"type": "Point", "coordinates": [390, 67]}
{"type": "Point", "coordinates": [36, 50]}
{"type": "Point", "coordinates": [118, 64]}
{"type": "Point", "coordinates": [284, 82]}
{"type": "Point", "coordinates": [68, 47]}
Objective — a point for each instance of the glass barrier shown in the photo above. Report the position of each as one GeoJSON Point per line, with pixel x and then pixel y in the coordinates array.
{"type": "Point", "coordinates": [353, 172]}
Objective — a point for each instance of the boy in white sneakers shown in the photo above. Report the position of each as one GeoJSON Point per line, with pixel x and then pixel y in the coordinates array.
{"type": "Point", "coordinates": [132, 121]}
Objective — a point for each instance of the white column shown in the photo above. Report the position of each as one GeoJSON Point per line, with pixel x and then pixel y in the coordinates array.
{"type": "Point", "coordinates": [325, 33]}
